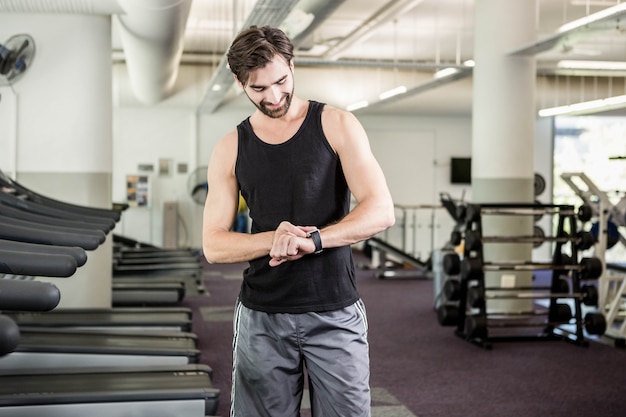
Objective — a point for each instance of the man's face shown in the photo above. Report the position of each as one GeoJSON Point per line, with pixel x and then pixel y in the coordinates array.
{"type": "Point", "coordinates": [270, 88]}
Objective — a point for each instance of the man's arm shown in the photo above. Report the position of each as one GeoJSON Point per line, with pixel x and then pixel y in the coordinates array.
{"type": "Point", "coordinates": [219, 243]}
{"type": "Point", "coordinates": [374, 211]}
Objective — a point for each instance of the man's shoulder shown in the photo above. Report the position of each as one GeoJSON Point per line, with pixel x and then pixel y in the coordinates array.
{"type": "Point", "coordinates": [334, 116]}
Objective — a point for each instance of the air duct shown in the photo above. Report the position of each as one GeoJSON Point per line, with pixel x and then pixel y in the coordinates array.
{"type": "Point", "coordinates": [151, 32]}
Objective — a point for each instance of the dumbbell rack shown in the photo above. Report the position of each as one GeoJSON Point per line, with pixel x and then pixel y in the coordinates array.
{"type": "Point", "coordinates": [471, 322]}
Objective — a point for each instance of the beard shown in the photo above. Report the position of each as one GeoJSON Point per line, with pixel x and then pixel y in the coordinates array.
{"type": "Point", "coordinates": [277, 112]}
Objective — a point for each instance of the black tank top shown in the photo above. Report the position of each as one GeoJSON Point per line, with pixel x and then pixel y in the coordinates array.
{"type": "Point", "coordinates": [300, 181]}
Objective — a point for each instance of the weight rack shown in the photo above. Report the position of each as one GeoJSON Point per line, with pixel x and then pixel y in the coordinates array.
{"type": "Point", "coordinates": [470, 316]}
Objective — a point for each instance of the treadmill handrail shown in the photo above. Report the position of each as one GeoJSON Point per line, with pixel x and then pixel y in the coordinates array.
{"type": "Point", "coordinates": [95, 233]}
{"type": "Point", "coordinates": [63, 205]}
{"type": "Point", "coordinates": [78, 253]}
{"type": "Point", "coordinates": [29, 263]}
{"type": "Point", "coordinates": [34, 207]}
{"type": "Point", "coordinates": [21, 295]}
{"type": "Point", "coordinates": [32, 235]}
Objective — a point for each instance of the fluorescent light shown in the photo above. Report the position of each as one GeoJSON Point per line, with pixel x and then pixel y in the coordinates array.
{"type": "Point", "coordinates": [469, 63]}
{"type": "Point", "coordinates": [446, 72]}
{"type": "Point", "coordinates": [393, 92]}
{"type": "Point", "coordinates": [594, 17]}
{"type": "Point", "coordinates": [597, 65]}
{"type": "Point", "coordinates": [600, 104]}
{"type": "Point", "coordinates": [216, 87]}
{"type": "Point", "coordinates": [357, 105]}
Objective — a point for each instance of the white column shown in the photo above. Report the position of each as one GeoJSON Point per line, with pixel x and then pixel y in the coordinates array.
{"type": "Point", "coordinates": [503, 129]}
{"type": "Point", "coordinates": [63, 108]}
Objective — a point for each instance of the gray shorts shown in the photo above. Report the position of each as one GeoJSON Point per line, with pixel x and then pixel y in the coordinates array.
{"type": "Point", "coordinates": [271, 351]}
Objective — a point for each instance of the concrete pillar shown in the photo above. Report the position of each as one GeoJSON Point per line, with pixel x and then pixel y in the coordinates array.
{"type": "Point", "coordinates": [503, 130]}
{"type": "Point", "coordinates": [62, 136]}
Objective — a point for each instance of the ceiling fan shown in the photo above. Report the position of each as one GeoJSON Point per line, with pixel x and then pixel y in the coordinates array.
{"type": "Point", "coordinates": [16, 56]}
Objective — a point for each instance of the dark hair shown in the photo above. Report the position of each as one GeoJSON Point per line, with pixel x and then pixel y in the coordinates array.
{"type": "Point", "coordinates": [254, 47]}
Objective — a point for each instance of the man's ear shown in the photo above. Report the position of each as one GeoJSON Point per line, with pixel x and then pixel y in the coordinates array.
{"type": "Point", "coordinates": [238, 82]}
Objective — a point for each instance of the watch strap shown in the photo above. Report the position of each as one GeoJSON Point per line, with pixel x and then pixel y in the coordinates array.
{"type": "Point", "coordinates": [315, 236]}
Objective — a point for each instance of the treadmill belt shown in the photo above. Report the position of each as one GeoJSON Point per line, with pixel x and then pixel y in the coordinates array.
{"type": "Point", "coordinates": [109, 343]}
{"type": "Point", "coordinates": [143, 317]}
{"type": "Point", "coordinates": [80, 385]}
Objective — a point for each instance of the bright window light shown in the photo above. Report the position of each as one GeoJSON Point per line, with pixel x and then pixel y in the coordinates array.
{"type": "Point", "coordinates": [600, 104]}
{"type": "Point", "coordinates": [597, 65]}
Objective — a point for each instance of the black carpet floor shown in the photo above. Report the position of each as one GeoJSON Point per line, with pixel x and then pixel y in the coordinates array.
{"type": "Point", "coordinates": [421, 369]}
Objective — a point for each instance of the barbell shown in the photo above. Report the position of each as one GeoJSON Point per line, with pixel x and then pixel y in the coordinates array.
{"type": "Point", "coordinates": [474, 211]}
{"type": "Point", "coordinates": [477, 295]}
{"type": "Point", "coordinates": [474, 241]}
{"type": "Point", "coordinates": [474, 268]}
{"type": "Point", "coordinates": [475, 326]}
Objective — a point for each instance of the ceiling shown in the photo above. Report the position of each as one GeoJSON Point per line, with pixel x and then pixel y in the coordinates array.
{"type": "Point", "coordinates": [408, 40]}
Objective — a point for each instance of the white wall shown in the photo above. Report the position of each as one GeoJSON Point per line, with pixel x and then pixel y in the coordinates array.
{"type": "Point", "coordinates": [415, 153]}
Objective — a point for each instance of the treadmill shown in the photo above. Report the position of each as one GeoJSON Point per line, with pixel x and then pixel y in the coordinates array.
{"type": "Point", "coordinates": [38, 347]}
{"type": "Point", "coordinates": [32, 196]}
{"type": "Point", "coordinates": [144, 274]}
{"type": "Point", "coordinates": [130, 318]}
{"type": "Point", "coordinates": [88, 234]}
{"type": "Point", "coordinates": [159, 390]}
{"type": "Point", "coordinates": [71, 348]}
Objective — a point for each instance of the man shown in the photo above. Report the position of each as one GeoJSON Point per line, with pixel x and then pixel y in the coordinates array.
{"type": "Point", "coordinates": [295, 162]}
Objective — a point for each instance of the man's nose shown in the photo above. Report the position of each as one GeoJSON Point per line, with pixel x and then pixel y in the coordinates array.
{"type": "Point", "coordinates": [274, 94]}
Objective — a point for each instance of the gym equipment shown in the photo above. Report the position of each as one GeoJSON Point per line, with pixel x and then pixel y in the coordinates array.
{"type": "Point", "coordinates": [75, 211]}
{"type": "Point", "coordinates": [615, 284]}
{"type": "Point", "coordinates": [468, 296]}
{"type": "Point", "coordinates": [539, 184]}
{"type": "Point", "coordinates": [173, 273]}
{"type": "Point", "coordinates": [158, 391]}
{"type": "Point", "coordinates": [611, 231]}
{"type": "Point", "coordinates": [40, 348]}
{"type": "Point", "coordinates": [141, 293]}
{"type": "Point", "coordinates": [57, 237]}
{"type": "Point", "coordinates": [79, 254]}
{"type": "Point", "coordinates": [474, 240]}
{"type": "Point", "coordinates": [54, 265]}
{"type": "Point", "coordinates": [475, 326]}
{"type": "Point", "coordinates": [473, 268]}
{"type": "Point", "coordinates": [165, 318]}
{"type": "Point", "coordinates": [15, 201]}
{"type": "Point", "coordinates": [91, 385]}
{"type": "Point", "coordinates": [477, 295]}
{"type": "Point", "coordinates": [609, 216]}
{"type": "Point", "coordinates": [132, 258]}
{"type": "Point", "coordinates": [9, 335]}
{"type": "Point", "coordinates": [380, 249]}
{"type": "Point", "coordinates": [474, 211]}
{"type": "Point", "coordinates": [21, 295]}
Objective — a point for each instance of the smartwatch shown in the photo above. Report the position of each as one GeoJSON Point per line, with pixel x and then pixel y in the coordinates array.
{"type": "Point", "coordinates": [315, 235]}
